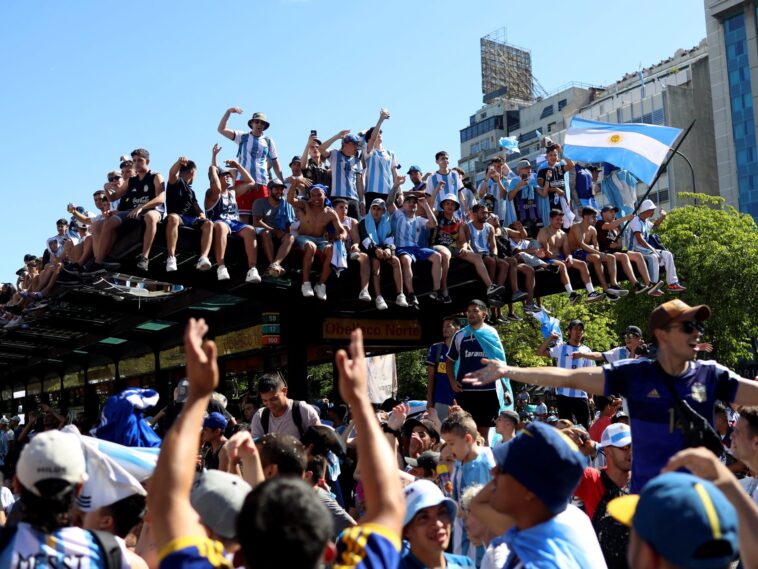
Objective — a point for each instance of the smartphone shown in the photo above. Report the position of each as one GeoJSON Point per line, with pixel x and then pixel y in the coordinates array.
{"type": "Point", "coordinates": [314, 133]}
{"type": "Point", "coordinates": [525, 177]}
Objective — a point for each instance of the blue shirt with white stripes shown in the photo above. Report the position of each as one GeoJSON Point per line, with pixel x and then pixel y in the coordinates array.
{"type": "Point", "coordinates": [379, 167]}
{"type": "Point", "coordinates": [561, 353]}
{"type": "Point", "coordinates": [345, 170]}
{"type": "Point", "coordinates": [452, 185]}
{"type": "Point", "coordinates": [253, 154]}
{"type": "Point", "coordinates": [407, 229]}
{"type": "Point", "coordinates": [480, 238]}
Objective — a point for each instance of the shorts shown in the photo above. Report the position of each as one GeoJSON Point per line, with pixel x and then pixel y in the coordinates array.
{"type": "Point", "coordinates": [371, 252]}
{"type": "Point", "coordinates": [558, 257]}
{"type": "Point", "coordinates": [321, 242]}
{"type": "Point", "coordinates": [245, 201]}
{"type": "Point", "coordinates": [590, 202]}
{"type": "Point", "coordinates": [484, 406]}
{"type": "Point", "coordinates": [235, 226]}
{"type": "Point", "coordinates": [455, 252]}
{"type": "Point", "coordinates": [191, 221]}
{"type": "Point", "coordinates": [416, 253]}
{"type": "Point", "coordinates": [122, 215]}
{"type": "Point", "coordinates": [580, 255]}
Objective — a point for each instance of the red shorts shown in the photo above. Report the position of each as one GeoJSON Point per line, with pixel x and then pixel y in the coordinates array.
{"type": "Point", "coordinates": [245, 201]}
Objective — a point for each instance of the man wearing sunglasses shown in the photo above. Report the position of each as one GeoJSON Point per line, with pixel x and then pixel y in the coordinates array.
{"type": "Point", "coordinates": [676, 329]}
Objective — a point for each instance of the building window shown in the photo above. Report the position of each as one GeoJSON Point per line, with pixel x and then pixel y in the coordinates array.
{"type": "Point", "coordinates": [561, 104]}
{"type": "Point", "coordinates": [475, 148]}
{"type": "Point", "coordinates": [741, 99]}
{"type": "Point", "coordinates": [547, 111]}
{"type": "Point", "coordinates": [551, 127]}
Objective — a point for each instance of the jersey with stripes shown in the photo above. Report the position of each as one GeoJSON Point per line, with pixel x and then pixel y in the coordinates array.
{"type": "Point", "coordinates": [253, 154]}
{"type": "Point", "coordinates": [480, 238]}
{"type": "Point", "coordinates": [561, 353]}
{"type": "Point", "coordinates": [379, 167]}
{"type": "Point", "coordinates": [345, 170]}
{"type": "Point", "coordinates": [452, 185]}
{"type": "Point", "coordinates": [407, 229]}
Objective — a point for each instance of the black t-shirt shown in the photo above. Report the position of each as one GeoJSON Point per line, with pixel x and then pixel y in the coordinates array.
{"type": "Point", "coordinates": [317, 174]}
{"type": "Point", "coordinates": [181, 199]}
{"type": "Point", "coordinates": [605, 237]}
{"type": "Point", "coordinates": [139, 192]}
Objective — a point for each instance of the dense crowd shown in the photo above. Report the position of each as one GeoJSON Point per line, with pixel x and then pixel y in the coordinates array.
{"type": "Point", "coordinates": [475, 476]}
{"type": "Point", "coordinates": [344, 204]}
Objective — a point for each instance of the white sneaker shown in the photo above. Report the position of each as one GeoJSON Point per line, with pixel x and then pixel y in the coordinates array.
{"type": "Point", "coordinates": [170, 264]}
{"type": "Point", "coordinates": [203, 264]}
{"type": "Point", "coordinates": [401, 301]}
{"type": "Point", "coordinates": [222, 273]}
{"type": "Point", "coordinates": [320, 290]}
{"type": "Point", "coordinates": [364, 295]}
{"type": "Point", "coordinates": [253, 276]}
{"type": "Point", "coordinates": [307, 290]}
{"type": "Point", "coordinates": [380, 304]}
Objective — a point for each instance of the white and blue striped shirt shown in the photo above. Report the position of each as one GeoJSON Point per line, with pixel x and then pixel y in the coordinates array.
{"type": "Point", "coordinates": [480, 238]}
{"type": "Point", "coordinates": [452, 185]}
{"type": "Point", "coordinates": [345, 170]}
{"type": "Point", "coordinates": [561, 353]}
{"type": "Point", "coordinates": [379, 168]}
{"type": "Point", "coordinates": [253, 153]}
{"type": "Point", "coordinates": [407, 229]}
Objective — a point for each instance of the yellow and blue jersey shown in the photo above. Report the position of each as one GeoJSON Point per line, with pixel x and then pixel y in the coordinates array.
{"type": "Point", "coordinates": [193, 552]}
{"type": "Point", "coordinates": [367, 546]}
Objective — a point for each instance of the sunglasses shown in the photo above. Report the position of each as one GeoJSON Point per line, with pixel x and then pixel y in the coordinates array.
{"type": "Point", "coordinates": [630, 336]}
{"type": "Point", "coordinates": [113, 178]}
{"type": "Point", "coordinates": [690, 327]}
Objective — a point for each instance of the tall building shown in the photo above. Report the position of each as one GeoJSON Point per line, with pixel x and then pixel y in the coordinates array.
{"type": "Point", "coordinates": [733, 61]}
{"type": "Point", "coordinates": [506, 69]}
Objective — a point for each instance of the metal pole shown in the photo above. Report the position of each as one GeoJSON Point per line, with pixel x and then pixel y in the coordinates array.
{"type": "Point", "coordinates": [692, 170]}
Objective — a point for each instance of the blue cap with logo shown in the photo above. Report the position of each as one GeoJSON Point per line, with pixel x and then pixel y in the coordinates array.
{"type": "Point", "coordinates": [561, 464]}
{"type": "Point", "coordinates": [686, 519]}
{"type": "Point", "coordinates": [215, 421]}
{"type": "Point", "coordinates": [350, 138]}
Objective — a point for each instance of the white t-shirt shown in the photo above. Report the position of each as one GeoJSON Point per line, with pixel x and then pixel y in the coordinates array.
{"type": "Point", "coordinates": [617, 354]}
{"type": "Point", "coordinates": [31, 548]}
{"type": "Point", "coordinates": [285, 424]}
{"type": "Point", "coordinates": [495, 556]}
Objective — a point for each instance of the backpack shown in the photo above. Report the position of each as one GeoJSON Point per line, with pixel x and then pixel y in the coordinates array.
{"type": "Point", "coordinates": [297, 418]}
{"type": "Point", "coordinates": [107, 543]}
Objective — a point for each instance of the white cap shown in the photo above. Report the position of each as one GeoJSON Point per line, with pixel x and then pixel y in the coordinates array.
{"type": "Point", "coordinates": [646, 205]}
{"type": "Point", "coordinates": [425, 494]}
{"type": "Point", "coordinates": [51, 455]}
{"type": "Point", "coordinates": [616, 435]}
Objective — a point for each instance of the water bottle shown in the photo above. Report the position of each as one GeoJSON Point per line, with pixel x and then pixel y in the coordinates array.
{"type": "Point", "coordinates": [443, 479]}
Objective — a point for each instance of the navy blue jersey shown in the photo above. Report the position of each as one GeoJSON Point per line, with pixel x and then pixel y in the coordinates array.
{"type": "Point", "coordinates": [651, 406]}
{"type": "Point", "coordinates": [468, 352]}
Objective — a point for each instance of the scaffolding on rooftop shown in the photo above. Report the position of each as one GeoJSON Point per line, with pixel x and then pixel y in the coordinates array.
{"type": "Point", "coordinates": [506, 68]}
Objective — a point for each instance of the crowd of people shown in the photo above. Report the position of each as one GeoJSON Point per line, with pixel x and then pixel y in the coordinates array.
{"type": "Point", "coordinates": [475, 476]}
{"type": "Point", "coordinates": [346, 203]}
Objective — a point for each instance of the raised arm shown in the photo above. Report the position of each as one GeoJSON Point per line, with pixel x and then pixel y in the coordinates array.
{"type": "Point", "coordinates": [589, 379]}
{"type": "Point", "coordinates": [431, 219]}
{"type": "Point", "coordinates": [747, 392]}
{"type": "Point", "coordinates": [543, 349]}
{"type": "Point", "coordinates": [292, 194]}
{"type": "Point", "coordinates": [248, 182]}
{"type": "Point", "coordinates": [618, 222]}
{"type": "Point", "coordinates": [391, 207]}
{"type": "Point", "coordinates": [304, 157]}
{"type": "Point", "coordinates": [222, 128]}
{"type": "Point", "coordinates": [324, 147]}
{"type": "Point", "coordinates": [384, 503]}
{"type": "Point", "coordinates": [173, 173]}
{"type": "Point", "coordinates": [383, 115]}
{"type": "Point", "coordinates": [172, 515]}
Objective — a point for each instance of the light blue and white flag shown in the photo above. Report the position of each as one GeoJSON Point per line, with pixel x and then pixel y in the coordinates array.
{"type": "Point", "coordinates": [639, 148]}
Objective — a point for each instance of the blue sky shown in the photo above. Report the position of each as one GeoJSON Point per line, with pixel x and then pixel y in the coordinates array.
{"type": "Point", "coordinates": [84, 82]}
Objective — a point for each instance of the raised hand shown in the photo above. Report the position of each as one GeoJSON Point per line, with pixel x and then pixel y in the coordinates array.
{"type": "Point", "coordinates": [235, 110]}
{"type": "Point", "coordinates": [353, 375]}
{"type": "Point", "coordinates": [398, 416]}
{"type": "Point", "coordinates": [200, 357]}
{"type": "Point", "coordinates": [240, 447]}
{"type": "Point", "coordinates": [216, 149]}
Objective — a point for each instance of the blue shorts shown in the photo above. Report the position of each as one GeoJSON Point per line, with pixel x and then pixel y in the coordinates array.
{"type": "Point", "coordinates": [416, 253]}
{"type": "Point", "coordinates": [580, 255]}
{"type": "Point", "coordinates": [321, 242]}
{"type": "Point", "coordinates": [191, 220]}
{"type": "Point", "coordinates": [235, 226]}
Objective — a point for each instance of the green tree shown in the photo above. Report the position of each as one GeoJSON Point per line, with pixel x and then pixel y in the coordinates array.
{"type": "Point", "coordinates": [716, 254]}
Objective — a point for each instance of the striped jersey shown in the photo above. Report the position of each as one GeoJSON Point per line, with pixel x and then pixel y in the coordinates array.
{"type": "Point", "coordinates": [225, 208]}
{"type": "Point", "coordinates": [345, 170]}
{"type": "Point", "coordinates": [561, 353]}
{"type": "Point", "coordinates": [65, 547]}
{"type": "Point", "coordinates": [452, 185]}
{"type": "Point", "coordinates": [480, 238]}
{"type": "Point", "coordinates": [407, 229]}
{"type": "Point", "coordinates": [379, 166]}
{"type": "Point", "coordinates": [253, 153]}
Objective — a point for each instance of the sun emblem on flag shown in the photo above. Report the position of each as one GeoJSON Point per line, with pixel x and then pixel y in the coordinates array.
{"type": "Point", "coordinates": [614, 138]}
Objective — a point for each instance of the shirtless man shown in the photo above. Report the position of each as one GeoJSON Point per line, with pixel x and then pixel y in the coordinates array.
{"type": "Point", "coordinates": [555, 247]}
{"type": "Point", "coordinates": [83, 251]}
{"type": "Point", "coordinates": [609, 242]}
{"type": "Point", "coordinates": [582, 238]}
{"type": "Point", "coordinates": [315, 217]}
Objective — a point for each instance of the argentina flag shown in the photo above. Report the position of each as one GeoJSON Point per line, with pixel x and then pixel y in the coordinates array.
{"type": "Point", "coordinates": [639, 148]}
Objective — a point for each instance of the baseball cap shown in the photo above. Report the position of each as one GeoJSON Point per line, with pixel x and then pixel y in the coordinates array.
{"type": "Point", "coordinates": [5, 421]}
{"type": "Point", "coordinates": [296, 159]}
{"type": "Point", "coordinates": [379, 202]}
{"type": "Point", "coordinates": [511, 415]}
{"type": "Point", "coordinates": [609, 208]}
{"type": "Point", "coordinates": [425, 494]}
{"type": "Point", "coordinates": [646, 205]}
{"type": "Point", "coordinates": [215, 420]}
{"type": "Point", "coordinates": [61, 221]}
{"type": "Point", "coordinates": [414, 168]}
{"type": "Point", "coordinates": [412, 423]}
{"type": "Point", "coordinates": [574, 323]}
{"type": "Point", "coordinates": [523, 164]}
{"type": "Point", "coordinates": [350, 138]}
{"type": "Point", "coordinates": [561, 464]}
{"type": "Point", "coordinates": [620, 414]}
{"type": "Point", "coordinates": [676, 311]}
{"type": "Point", "coordinates": [633, 330]}
{"type": "Point", "coordinates": [224, 172]}
{"type": "Point", "coordinates": [218, 497]}
{"type": "Point", "coordinates": [427, 460]}
{"type": "Point", "coordinates": [616, 435]}
{"type": "Point", "coordinates": [51, 455]}
{"type": "Point", "coordinates": [277, 182]}
{"type": "Point", "coordinates": [409, 196]}
{"type": "Point", "coordinates": [704, 534]}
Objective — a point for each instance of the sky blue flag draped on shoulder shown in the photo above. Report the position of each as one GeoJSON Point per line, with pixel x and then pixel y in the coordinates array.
{"type": "Point", "coordinates": [121, 420]}
{"type": "Point", "coordinates": [639, 148]}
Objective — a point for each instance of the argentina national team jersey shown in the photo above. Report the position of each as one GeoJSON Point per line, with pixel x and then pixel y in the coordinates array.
{"type": "Point", "coordinates": [452, 185]}
{"type": "Point", "coordinates": [253, 153]}
{"type": "Point", "coordinates": [468, 352]}
{"type": "Point", "coordinates": [379, 166]}
{"type": "Point", "coordinates": [561, 353]}
{"type": "Point", "coordinates": [480, 238]}
{"type": "Point", "coordinates": [407, 229]}
{"type": "Point", "coordinates": [345, 169]}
